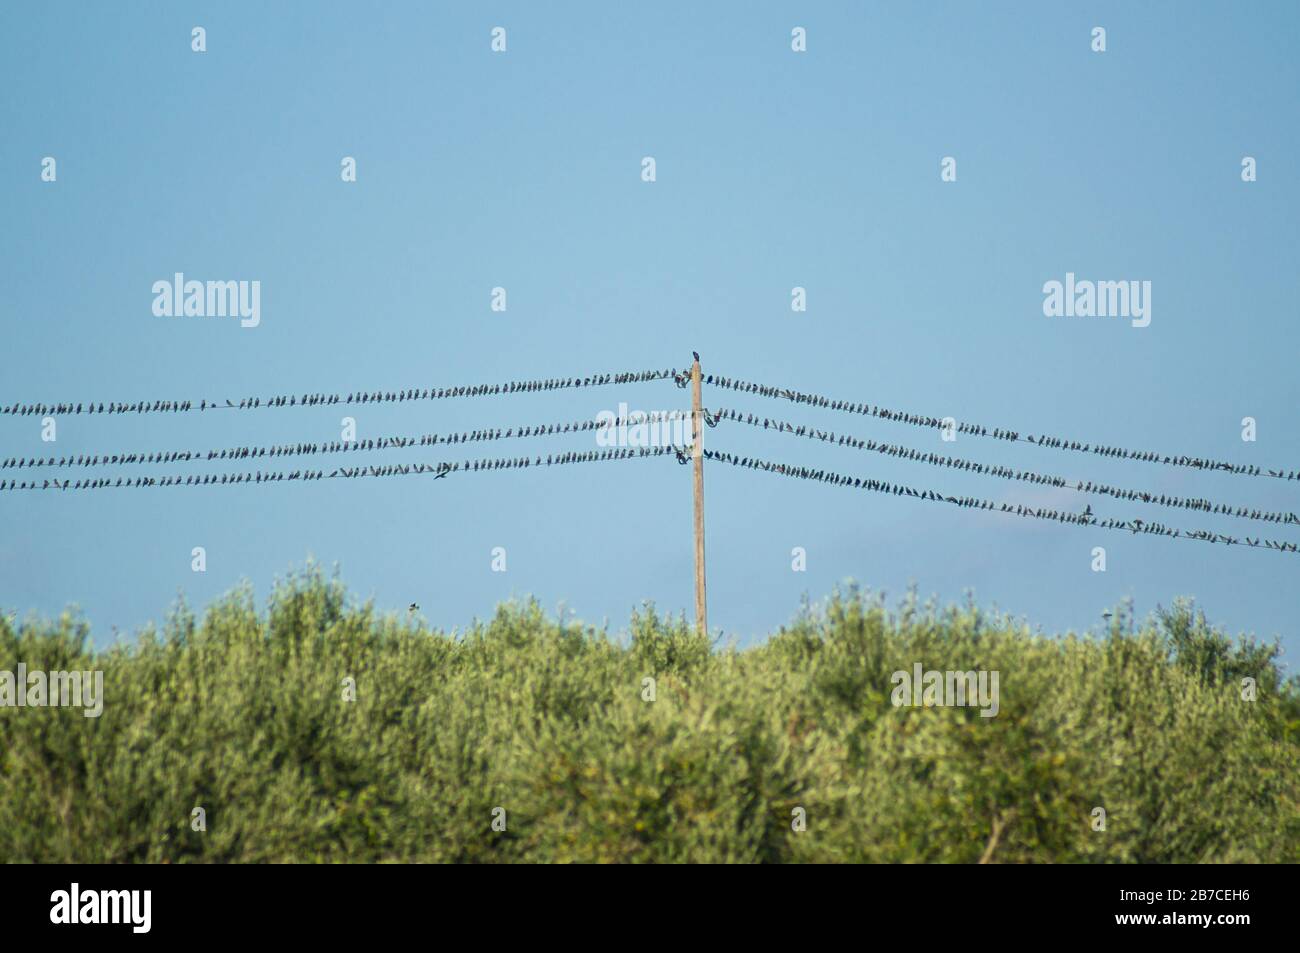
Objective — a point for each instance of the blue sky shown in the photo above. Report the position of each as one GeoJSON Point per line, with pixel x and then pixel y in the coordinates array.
{"type": "Point", "coordinates": [775, 169]}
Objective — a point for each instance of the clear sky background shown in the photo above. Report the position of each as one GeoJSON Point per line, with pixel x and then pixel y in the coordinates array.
{"type": "Point", "coordinates": [775, 169]}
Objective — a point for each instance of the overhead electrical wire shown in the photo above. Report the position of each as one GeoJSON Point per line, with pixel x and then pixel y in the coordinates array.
{"type": "Point", "coordinates": [437, 471]}
{"type": "Point", "coordinates": [340, 446]}
{"type": "Point", "coordinates": [1134, 526]}
{"type": "Point", "coordinates": [321, 399]}
{"type": "Point", "coordinates": [998, 433]}
{"type": "Point", "coordinates": [712, 417]}
{"type": "Point", "coordinates": [1006, 473]}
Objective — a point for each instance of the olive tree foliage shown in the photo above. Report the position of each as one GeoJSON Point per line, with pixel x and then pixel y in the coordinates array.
{"type": "Point", "coordinates": [537, 739]}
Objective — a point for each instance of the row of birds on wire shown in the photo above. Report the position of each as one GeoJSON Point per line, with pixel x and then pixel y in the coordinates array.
{"type": "Point", "coordinates": [437, 470]}
{"type": "Point", "coordinates": [358, 397]}
{"type": "Point", "coordinates": [1085, 518]}
{"type": "Point", "coordinates": [681, 378]}
{"type": "Point", "coordinates": [1008, 473]}
{"type": "Point", "coordinates": [998, 433]}
{"type": "Point", "coordinates": [340, 446]}
{"type": "Point", "coordinates": [712, 417]}
{"type": "Point", "coordinates": [442, 469]}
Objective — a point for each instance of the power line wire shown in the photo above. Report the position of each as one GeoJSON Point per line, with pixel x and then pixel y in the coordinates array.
{"type": "Point", "coordinates": [972, 502]}
{"type": "Point", "coordinates": [357, 397]}
{"type": "Point", "coordinates": [438, 471]}
{"type": "Point", "coordinates": [342, 446]}
{"type": "Point", "coordinates": [1007, 473]}
{"type": "Point", "coordinates": [1054, 443]}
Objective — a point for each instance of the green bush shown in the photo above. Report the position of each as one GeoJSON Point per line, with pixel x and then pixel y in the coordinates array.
{"type": "Point", "coordinates": [243, 714]}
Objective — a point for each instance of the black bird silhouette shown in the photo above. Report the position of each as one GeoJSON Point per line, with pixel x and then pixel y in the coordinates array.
{"type": "Point", "coordinates": [696, 355]}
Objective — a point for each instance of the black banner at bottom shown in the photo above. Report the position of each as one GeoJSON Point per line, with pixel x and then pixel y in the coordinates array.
{"type": "Point", "coordinates": [335, 903]}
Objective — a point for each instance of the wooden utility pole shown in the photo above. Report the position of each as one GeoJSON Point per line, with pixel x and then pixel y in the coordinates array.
{"type": "Point", "coordinates": [697, 451]}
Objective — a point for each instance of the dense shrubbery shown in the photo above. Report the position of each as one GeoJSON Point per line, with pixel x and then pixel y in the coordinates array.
{"type": "Point", "coordinates": [242, 713]}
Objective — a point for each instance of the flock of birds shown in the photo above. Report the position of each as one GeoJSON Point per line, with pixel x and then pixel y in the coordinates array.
{"type": "Point", "coordinates": [359, 397]}
{"type": "Point", "coordinates": [712, 417]}
{"type": "Point", "coordinates": [333, 446]}
{"type": "Point", "coordinates": [1053, 443]}
{"type": "Point", "coordinates": [1008, 473]}
{"type": "Point", "coordinates": [1085, 518]}
{"type": "Point", "coordinates": [439, 471]}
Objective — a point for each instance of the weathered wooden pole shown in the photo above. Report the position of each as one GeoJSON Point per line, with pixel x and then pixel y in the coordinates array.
{"type": "Point", "coordinates": [697, 451]}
